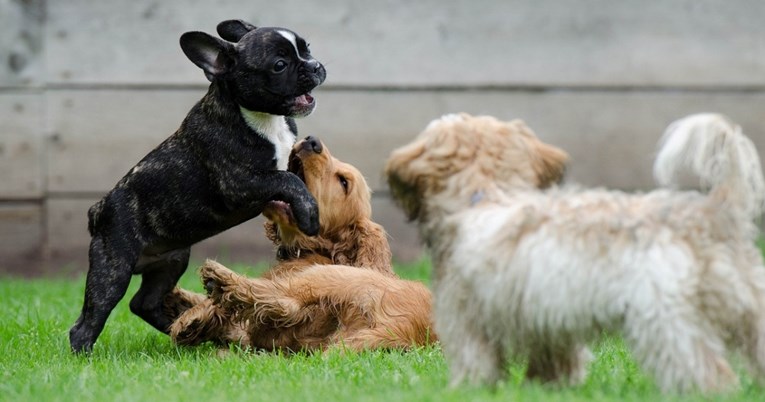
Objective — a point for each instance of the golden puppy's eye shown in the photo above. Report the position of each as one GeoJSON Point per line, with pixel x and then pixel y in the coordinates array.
{"type": "Point", "coordinates": [343, 182]}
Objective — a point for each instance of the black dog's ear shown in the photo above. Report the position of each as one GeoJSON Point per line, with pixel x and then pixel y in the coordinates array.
{"type": "Point", "coordinates": [233, 30]}
{"type": "Point", "coordinates": [214, 56]}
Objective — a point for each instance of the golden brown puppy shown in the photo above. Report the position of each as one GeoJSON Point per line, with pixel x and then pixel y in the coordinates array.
{"type": "Point", "coordinates": [347, 236]}
{"type": "Point", "coordinates": [324, 306]}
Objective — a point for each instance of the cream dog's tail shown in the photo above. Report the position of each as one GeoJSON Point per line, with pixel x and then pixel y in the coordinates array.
{"type": "Point", "coordinates": [718, 155]}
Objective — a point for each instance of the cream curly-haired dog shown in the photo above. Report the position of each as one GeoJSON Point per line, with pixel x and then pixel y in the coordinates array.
{"type": "Point", "coordinates": [525, 268]}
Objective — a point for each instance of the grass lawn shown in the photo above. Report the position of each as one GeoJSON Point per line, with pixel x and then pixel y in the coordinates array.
{"type": "Point", "coordinates": [133, 362]}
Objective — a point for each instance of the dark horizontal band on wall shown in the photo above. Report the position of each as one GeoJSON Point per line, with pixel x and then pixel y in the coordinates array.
{"type": "Point", "coordinates": [520, 87]}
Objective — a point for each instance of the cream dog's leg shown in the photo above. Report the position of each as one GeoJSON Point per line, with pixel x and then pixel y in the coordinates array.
{"type": "Point", "coordinates": [564, 365]}
{"type": "Point", "coordinates": [473, 357]}
{"type": "Point", "coordinates": [680, 349]}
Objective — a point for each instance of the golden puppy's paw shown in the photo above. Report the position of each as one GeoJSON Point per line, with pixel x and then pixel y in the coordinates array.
{"type": "Point", "coordinates": [215, 276]}
{"type": "Point", "coordinates": [204, 322]}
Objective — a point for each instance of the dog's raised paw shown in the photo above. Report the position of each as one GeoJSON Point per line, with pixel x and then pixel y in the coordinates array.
{"type": "Point", "coordinates": [212, 271]}
{"type": "Point", "coordinates": [210, 286]}
{"type": "Point", "coordinates": [215, 289]}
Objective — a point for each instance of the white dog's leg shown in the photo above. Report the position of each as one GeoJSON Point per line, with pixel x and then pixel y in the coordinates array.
{"type": "Point", "coordinates": [754, 340]}
{"type": "Point", "coordinates": [754, 317]}
{"type": "Point", "coordinates": [756, 348]}
{"type": "Point", "coordinates": [681, 354]}
{"type": "Point", "coordinates": [559, 365]}
{"type": "Point", "coordinates": [473, 359]}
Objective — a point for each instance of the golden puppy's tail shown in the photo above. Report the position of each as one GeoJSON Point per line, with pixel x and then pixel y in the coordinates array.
{"type": "Point", "coordinates": [716, 154]}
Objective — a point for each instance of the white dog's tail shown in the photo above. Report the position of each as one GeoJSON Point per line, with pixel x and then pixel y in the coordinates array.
{"type": "Point", "coordinates": [717, 154]}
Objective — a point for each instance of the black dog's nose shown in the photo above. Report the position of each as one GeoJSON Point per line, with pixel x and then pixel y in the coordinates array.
{"type": "Point", "coordinates": [314, 66]}
{"type": "Point", "coordinates": [313, 144]}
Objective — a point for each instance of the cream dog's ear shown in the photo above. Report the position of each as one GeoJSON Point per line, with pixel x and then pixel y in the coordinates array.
{"type": "Point", "coordinates": [401, 162]}
{"type": "Point", "coordinates": [550, 166]}
{"type": "Point", "coordinates": [403, 171]}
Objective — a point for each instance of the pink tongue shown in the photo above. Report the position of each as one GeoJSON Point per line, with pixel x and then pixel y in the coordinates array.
{"type": "Point", "coordinates": [304, 99]}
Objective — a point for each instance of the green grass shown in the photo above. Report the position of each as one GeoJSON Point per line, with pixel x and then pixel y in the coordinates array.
{"type": "Point", "coordinates": [133, 362]}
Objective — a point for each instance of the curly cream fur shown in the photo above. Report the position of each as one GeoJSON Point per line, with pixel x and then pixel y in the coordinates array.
{"type": "Point", "coordinates": [529, 271]}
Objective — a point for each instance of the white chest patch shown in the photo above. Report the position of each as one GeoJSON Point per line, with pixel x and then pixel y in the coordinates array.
{"type": "Point", "coordinates": [274, 129]}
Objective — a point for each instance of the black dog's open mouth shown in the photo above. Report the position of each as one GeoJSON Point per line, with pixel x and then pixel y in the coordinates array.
{"type": "Point", "coordinates": [301, 105]}
{"type": "Point", "coordinates": [305, 100]}
{"type": "Point", "coordinates": [295, 165]}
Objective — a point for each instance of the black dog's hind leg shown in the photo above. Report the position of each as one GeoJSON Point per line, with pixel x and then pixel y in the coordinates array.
{"type": "Point", "coordinates": [107, 280]}
{"type": "Point", "coordinates": [158, 279]}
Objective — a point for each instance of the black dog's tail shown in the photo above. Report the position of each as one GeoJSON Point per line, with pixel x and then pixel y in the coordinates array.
{"type": "Point", "coordinates": [94, 215]}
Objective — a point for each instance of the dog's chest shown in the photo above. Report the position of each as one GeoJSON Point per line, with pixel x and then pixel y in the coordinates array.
{"type": "Point", "coordinates": [275, 130]}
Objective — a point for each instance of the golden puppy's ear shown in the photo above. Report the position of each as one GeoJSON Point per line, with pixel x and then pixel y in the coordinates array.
{"type": "Point", "coordinates": [365, 245]}
{"type": "Point", "coordinates": [551, 164]}
{"type": "Point", "coordinates": [373, 250]}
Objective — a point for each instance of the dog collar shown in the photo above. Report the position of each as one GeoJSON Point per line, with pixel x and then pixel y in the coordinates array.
{"type": "Point", "coordinates": [476, 197]}
{"type": "Point", "coordinates": [285, 254]}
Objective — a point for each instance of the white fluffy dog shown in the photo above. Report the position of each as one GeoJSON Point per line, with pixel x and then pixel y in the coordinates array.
{"type": "Point", "coordinates": [527, 269]}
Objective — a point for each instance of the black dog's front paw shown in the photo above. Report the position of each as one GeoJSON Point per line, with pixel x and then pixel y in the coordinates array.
{"type": "Point", "coordinates": [307, 217]}
{"type": "Point", "coordinates": [81, 339]}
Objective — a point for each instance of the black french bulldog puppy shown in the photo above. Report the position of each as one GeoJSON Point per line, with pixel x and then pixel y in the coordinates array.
{"type": "Point", "coordinates": [223, 165]}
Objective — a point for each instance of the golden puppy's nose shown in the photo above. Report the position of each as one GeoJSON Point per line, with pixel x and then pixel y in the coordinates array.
{"type": "Point", "coordinates": [312, 143]}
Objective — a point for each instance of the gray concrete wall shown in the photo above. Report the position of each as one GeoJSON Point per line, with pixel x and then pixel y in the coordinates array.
{"type": "Point", "coordinates": [87, 88]}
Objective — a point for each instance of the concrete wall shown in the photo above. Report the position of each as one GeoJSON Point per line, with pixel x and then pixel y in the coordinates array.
{"type": "Point", "coordinates": [87, 88]}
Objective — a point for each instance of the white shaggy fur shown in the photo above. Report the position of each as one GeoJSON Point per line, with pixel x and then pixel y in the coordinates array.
{"type": "Point", "coordinates": [537, 273]}
{"type": "Point", "coordinates": [714, 151]}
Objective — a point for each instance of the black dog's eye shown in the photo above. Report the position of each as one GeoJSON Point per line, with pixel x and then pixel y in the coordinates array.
{"type": "Point", "coordinates": [343, 182]}
{"type": "Point", "coordinates": [279, 66]}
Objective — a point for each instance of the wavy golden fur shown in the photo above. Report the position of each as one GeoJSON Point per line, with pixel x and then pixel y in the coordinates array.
{"type": "Point", "coordinates": [324, 306]}
{"type": "Point", "coordinates": [360, 304]}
